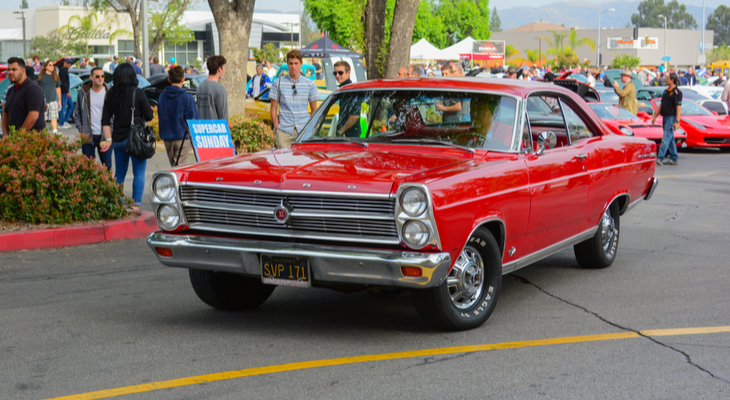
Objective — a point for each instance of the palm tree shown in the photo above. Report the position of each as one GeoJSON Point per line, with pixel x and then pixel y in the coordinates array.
{"type": "Point", "coordinates": [510, 51]}
{"type": "Point", "coordinates": [556, 45]}
{"type": "Point", "coordinates": [574, 42]}
{"type": "Point", "coordinates": [535, 56]}
{"type": "Point", "coordinates": [89, 29]}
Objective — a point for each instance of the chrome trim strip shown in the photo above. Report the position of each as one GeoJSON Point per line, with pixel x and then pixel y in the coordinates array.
{"type": "Point", "coordinates": [336, 264]}
{"type": "Point", "coordinates": [546, 252]}
{"type": "Point", "coordinates": [289, 192]}
{"type": "Point", "coordinates": [304, 235]}
{"type": "Point", "coordinates": [207, 205]}
{"type": "Point", "coordinates": [316, 214]}
{"type": "Point", "coordinates": [648, 155]}
{"type": "Point", "coordinates": [634, 204]}
{"type": "Point", "coordinates": [652, 187]}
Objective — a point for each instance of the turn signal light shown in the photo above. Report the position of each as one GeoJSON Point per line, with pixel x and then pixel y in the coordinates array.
{"type": "Point", "coordinates": [165, 252]}
{"type": "Point", "coordinates": [411, 271]}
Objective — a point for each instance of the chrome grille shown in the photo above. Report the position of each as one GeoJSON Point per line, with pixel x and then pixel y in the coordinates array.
{"type": "Point", "coordinates": [328, 217]}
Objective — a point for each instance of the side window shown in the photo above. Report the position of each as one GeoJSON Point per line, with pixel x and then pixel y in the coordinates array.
{"type": "Point", "coordinates": [526, 139]}
{"type": "Point", "coordinates": [577, 128]}
{"type": "Point", "coordinates": [545, 114]}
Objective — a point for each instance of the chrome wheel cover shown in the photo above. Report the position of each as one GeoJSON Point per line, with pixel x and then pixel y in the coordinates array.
{"type": "Point", "coordinates": [465, 281]}
{"type": "Point", "coordinates": [608, 230]}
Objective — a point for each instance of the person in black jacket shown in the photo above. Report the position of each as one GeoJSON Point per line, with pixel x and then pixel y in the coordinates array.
{"type": "Point", "coordinates": [118, 105]}
{"type": "Point", "coordinates": [67, 103]}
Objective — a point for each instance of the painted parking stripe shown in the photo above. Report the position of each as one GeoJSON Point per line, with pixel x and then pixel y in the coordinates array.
{"type": "Point", "coordinates": [221, 376]}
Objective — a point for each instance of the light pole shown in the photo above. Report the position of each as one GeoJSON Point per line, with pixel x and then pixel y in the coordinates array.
{"type": "Point", "coordinates": [598, 42]}
{"type": "Point", "coordinates": [666, 63]}
{"type": "Point", "coordinates": [145, 40]}
{"type": "Point", "coordinates": [539, 51]}
{"type": "Point", "coordinates": [22, 16]}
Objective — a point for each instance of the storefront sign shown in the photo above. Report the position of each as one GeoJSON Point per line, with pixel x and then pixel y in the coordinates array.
{"type": "Point", "coordinates": [645, 43]}
{"type": "Point", "coordinates": [211, 139]}
{"type": "Point", "coordinates": [488, 47]}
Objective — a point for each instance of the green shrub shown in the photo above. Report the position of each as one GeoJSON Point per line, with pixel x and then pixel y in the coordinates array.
{"type": "Point", "coordinates": [43, 179]}
{"type": "Point", "coordinates": [250, 134]}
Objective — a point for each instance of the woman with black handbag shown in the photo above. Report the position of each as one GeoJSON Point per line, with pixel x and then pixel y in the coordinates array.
{"type": "Point", "coordinates": [127, 106]}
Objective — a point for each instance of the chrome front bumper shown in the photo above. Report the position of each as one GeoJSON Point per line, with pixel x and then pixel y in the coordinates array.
{"type": "Point", "coordinates": [331, 264]}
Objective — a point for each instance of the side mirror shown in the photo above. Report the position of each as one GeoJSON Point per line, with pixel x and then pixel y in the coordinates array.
{"type": "Point", "coordinates": [642, 114]}
{"type": "Point", "coordinates": [714, 113]}
{"type": "Point", "coordinates": [546, 140]}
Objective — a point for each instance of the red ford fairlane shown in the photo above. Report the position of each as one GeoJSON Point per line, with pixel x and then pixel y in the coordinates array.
{"type": "Point", "coordinates": [625, 123]}
{"type": "Point", "coordinates": [703, 128]}
{"type": "Point", "coordinates": [438, 186]}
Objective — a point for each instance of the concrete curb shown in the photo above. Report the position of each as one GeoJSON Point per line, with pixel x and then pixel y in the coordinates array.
{"type": "Point", "coordinates": [133, 228]}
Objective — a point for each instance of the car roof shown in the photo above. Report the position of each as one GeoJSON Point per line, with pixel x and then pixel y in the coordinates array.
{"type": "Point", "coordinates": [514, 87]}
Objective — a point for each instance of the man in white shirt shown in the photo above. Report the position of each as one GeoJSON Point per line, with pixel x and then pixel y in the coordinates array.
{"type": "Point", "coordinates": [87, 117]}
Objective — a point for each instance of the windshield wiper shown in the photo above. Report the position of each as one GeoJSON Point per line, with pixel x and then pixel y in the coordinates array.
{"type": "Point", "coordinates": [336, 139]}
{"type": "Point", "coordinates": [433, 141]}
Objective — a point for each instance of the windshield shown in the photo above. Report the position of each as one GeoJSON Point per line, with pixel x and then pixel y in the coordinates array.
{"type": "Point", "coordinates": [608, 96]}
{"type": "Point", "coordinates": [607, 111]}
{"type": "Point", "coordinates": [689, 107]}
{"type": "Point", "coordinates": [473, 120]}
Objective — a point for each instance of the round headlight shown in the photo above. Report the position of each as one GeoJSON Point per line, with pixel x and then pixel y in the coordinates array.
{"type": "Point", "coordinates": [626, 131]}
{"type": "Point", "coordinates": [414, 202]}
{"type": "Point", "coordinates": [168, 217]}
{"type": "Point", "coordinates": [164, 187]}
{"type": "Point", "coordinates": [416, 234]}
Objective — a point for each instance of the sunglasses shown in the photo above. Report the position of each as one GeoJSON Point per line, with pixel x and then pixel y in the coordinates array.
{"type": "Point", "coordinates": [335, 73]}
{"type": "Point", "coordinates": [98, 76]}
{"type": "Point", "coordinates": [294, 88]}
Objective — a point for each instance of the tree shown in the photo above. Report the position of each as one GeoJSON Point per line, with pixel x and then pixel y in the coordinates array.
{"type": "Point", "coordinates": [532, 57]}
{"type": "Point", "coordinates": [464, 18]}
{"type": "Point", "coordinates": [374, 18]}
{"type": "Point", "coordinates": [269, 53]}
{"type": "Point", "coordinates": [574, 42]}
{"type": "Point", "coordinates": [131, 7]}
{"type": "Point", "coordinates": [165, 24]}
{"type": "Point", "coordinates": [401, 36]}
{"type": "Point", "coordinates": [625, 61]}
{"type": "Point", "coordinates": [510, 51]}
{"type": "Point", "coordinates": [650, 10]}
{"type": "Point", "coordinates": [84, 28]}
{"type": "Point", "coordinates": [233, 19]}
{"type": "Point", "coordinates": [719, 21]}
{"type": "Point", "coordinates": [24, 4]}
{"type": "Point", "coordinates": [309, 34]}
{"type": "Point", "coordinates": [54, 45]}
{"type": "Point", "coordinates": [495, 24]}
{"type": "Point", "coordinates": [719, 53]}
{"type": "Point", "coordinates": [556, 45]}
{"type": "Point", "coordinates": [429, 25]}
{"type": "Point", "coordinates": [341, 20]}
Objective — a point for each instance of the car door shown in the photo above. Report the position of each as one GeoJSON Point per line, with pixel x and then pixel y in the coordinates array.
{"type": "Point", "coordinates": [559, 182]}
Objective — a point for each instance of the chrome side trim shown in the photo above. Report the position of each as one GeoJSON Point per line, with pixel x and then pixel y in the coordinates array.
{"type": "Point", "coordinates": [634, 204]}
{"type": "Point", "coordinates": [625, 207]}
{"type": "Point", "coordinates": [546, 252]}
{"type": "Point", "coordinates": [289, 192]}
{"type": "Point", "coordinates": [652, 187]}
{"type": "Point", "coordinates": [284, 233]}
{"type": "Point", "coordinates": [647, 155]}
{"type": "Point", "coordinates": [335, 264]}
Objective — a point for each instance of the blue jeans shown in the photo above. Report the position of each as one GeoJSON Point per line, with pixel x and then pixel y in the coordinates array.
{"type": "Point", "coordinates": [89, 150]}
{"type": "Point", "coordinates": [121, 164]}
{"type": "Point", "coordinates": [668, 142]}
{"type": "Point", "coordinates": [67, 107]}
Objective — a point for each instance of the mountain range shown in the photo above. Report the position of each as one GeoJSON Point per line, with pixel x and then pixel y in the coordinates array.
{"type": "Point", "coordinates": [582, 14]}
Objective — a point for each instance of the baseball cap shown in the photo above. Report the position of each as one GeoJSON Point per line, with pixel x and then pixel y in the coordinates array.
{"type": "Point", "coordinates": [115, 58]}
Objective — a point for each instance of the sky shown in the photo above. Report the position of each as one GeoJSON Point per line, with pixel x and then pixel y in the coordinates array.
{"type": "Point", "coordinates": [293, 5]}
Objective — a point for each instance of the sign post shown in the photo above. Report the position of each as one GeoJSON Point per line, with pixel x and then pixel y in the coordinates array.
{"type": "Point", "coordinates": [211, 139]}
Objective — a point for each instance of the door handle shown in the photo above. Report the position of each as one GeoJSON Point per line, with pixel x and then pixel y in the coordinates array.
{"type": "Point", "coordinates": [581, 156]}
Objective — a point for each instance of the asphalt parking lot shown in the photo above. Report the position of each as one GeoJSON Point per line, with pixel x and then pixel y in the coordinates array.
{"type": "Point", "coordinates": [108, 320]}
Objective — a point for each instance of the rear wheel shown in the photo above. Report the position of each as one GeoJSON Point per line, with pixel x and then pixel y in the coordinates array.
{"type": "Point", "coordinates": [229, 292]}
{"type": "Point", "coordinates": [600, 250]}
{"type": "Point", "coordinates": [467, 297]}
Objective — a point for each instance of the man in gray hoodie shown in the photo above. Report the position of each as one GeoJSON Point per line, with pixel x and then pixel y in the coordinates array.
{"type": "Point", "coordinates": [87, 116]}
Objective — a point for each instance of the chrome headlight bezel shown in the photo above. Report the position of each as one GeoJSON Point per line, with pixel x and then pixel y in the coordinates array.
{"type": "Point", "coordinates": [172, 201]}
{"type": "Point", "coordinates": [426, 217]}
{"type": "Point", "coordinates": [423, 231]}
{"type": "Point", "coordinates": [626, 131]}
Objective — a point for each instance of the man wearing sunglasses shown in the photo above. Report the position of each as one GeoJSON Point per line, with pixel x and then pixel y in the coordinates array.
{"type": "Point", "coordinates": [293, 94]}
{"type": "Point", "coordinates": [87, 117]}
{"type": "Point", "coordinates": [349, 118]}
{"type": "Point", "coordinates": [342, 73]}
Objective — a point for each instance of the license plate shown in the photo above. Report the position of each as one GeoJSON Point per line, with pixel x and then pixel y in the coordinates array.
{"type": "Point", "coordinates": [285, 271]}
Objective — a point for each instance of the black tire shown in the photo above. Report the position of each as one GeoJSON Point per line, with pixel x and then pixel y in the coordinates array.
{"type": "Point", "coordinates": [594, 253]}
{"type": "Point", "coordinates": [724, 149]}
{"type": "Point", "coordinates": [435, 305]}
{"type": "Point", "coordinates": [229, 292]}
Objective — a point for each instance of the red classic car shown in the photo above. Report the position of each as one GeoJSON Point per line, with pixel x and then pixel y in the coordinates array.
{"type": "Point", "coordinates": [440, 186]}
{"type": "Point", "coordinates": [625, 123]}
{"type": "Point", "coordinates": [703, 128]}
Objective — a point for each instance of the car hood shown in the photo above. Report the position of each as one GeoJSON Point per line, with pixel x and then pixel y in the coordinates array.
{"type": "Point", "coordinates": [327, 168]}
{"type": "Point", "coordinates": [710, 121]}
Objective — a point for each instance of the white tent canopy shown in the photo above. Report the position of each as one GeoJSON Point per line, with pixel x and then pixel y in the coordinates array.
{"type": "Point", "coordinates": [465, 46]}
{"type": "Point", "coordinates": [423, 50]}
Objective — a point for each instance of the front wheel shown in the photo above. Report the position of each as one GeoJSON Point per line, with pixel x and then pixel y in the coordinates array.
{"type": "Point", "coordinates": [600, 250]}
{"type": "Point", "coordinates": [229, 292]}
{"type": "Point", "coordinates": [467, 297]}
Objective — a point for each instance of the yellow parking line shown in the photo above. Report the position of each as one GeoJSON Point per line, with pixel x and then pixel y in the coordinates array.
{"type": "Point", "coordinates": [220, 376]}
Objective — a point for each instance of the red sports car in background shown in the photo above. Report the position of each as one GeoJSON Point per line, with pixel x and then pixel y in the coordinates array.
{"type": "Point", "coordinates": [703, 128]}
{"type": "Point", "coordinates": [625, 123]}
